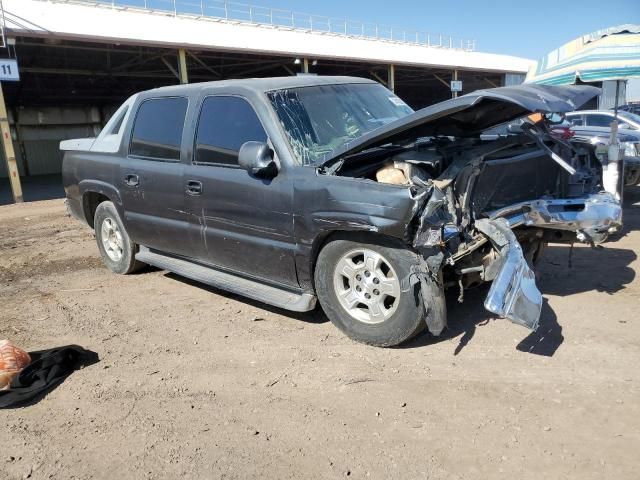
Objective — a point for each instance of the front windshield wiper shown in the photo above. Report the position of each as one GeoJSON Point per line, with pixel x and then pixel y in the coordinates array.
{"type": "Point", "coordinates": [332, 168]}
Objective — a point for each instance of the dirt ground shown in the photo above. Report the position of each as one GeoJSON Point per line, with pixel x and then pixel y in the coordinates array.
{"type": "Point", "coordinates": [196, 383]}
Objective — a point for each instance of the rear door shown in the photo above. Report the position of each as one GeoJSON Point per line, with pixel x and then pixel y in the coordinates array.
{"type": "Point", "coordinates": [239, 222]}
{"type": "Point", "coordinates": [151, 176]}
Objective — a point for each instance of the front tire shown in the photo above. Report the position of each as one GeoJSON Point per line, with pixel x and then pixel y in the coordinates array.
{"type": "Point", "coordinates": [116, 247]}
{"type": "Point", "coordinates": [363, 287]}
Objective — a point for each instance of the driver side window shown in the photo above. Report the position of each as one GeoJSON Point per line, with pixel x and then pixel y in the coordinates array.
{"type": "Point", "coordinates": [225, 124]}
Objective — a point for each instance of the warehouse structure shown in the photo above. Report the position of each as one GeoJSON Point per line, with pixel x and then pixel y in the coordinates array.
{"type": "Point", "coordinates": [78, 60]}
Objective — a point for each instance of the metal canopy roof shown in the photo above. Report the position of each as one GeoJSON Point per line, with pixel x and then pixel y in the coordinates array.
{"type": "Point", "coordinates": [99, 22]}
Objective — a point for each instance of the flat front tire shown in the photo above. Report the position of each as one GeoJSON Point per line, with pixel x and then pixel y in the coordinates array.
{"type": "Point", "coordinates": [116, 247]}
{"type": "Point", "coordinates": [363, 287]}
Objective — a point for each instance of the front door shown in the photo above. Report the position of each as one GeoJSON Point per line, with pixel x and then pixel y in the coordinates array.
{"type": "Point", "coordinates": [151, 177]}
{"type": "Point", "coordinates": [239, 222]}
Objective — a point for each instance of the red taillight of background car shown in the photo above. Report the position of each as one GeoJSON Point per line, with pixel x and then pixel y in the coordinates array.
{"type": "Point", "coordinates": [565, 133]}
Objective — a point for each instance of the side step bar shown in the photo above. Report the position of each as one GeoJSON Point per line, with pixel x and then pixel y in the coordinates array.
{"type": "Point", "coordinates": [297, 302]}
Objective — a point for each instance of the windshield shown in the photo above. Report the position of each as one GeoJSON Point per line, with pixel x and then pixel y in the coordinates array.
{"type": "Point", "coordinates": [317, 120]}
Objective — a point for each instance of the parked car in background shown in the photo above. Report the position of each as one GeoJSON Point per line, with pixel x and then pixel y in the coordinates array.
{"type": "Point", "coordinates": [297, 189]}
{"type": "Point", "coordinates": [629, 139]}
{"type": "Point", "coordinates": [631, 107]}
{"type": "Point", "coordinates": [603, 118]}
{"type": "Point", "coordinates": [585, 137]}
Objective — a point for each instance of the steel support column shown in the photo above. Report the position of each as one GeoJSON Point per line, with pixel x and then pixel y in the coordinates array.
{"type": "Point", "coordinates": [182, 64]}
{"type": "Point", "coordinates": [305, 65]}
{"type": "Point", "coordinates": [391, 78]}
{"type": "Point", "coordinates": [9, 154]}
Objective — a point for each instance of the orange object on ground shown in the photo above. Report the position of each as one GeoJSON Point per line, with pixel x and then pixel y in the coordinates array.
{"type": "Point", "coordinates": [12, 361]}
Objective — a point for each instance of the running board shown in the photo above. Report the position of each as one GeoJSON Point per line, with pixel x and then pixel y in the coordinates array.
{"type": "Point", "coordinates": [225, 281]}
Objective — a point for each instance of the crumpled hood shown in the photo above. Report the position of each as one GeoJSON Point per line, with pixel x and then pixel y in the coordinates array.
{"type": "Point", "coordinates": [471, 114]}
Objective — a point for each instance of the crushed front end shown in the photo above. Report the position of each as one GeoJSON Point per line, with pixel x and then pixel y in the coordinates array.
{"type": "Point", "coordinates": [490, 213]}
{"type": "Point", "coordinates": [485, 208]}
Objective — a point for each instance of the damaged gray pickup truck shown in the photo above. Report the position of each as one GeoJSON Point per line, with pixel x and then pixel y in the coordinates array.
{"type": "Point", "coordinates": [288, 190]}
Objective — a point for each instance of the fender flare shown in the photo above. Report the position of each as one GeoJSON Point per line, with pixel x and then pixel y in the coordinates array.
{"type": "Point", "coordinates": [103, 188]}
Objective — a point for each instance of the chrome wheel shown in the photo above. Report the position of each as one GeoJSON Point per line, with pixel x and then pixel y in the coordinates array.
{"type": "Point", "coordinates": [112, 239]}
{"type": "Point", "coordinates": [366, 286]}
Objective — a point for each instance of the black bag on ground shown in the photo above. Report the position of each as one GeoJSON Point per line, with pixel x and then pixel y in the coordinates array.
{"type": "Point", "coordinates": [47, 370]}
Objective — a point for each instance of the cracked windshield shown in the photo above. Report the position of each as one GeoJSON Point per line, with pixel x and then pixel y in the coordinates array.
{"type": "Point", "coordinates": [320, 119]}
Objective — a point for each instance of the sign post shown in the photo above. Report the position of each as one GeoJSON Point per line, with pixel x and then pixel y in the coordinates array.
{"type": "Point", "coordinates": [456, 85]}
{"type": "Point", "coordinates": [9, 72]}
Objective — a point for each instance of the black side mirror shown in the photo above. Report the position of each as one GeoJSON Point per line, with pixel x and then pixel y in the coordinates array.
{"type": "Point", "coordinates": [257, 159]}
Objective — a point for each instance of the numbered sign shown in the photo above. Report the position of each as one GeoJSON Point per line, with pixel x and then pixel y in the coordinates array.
{"type": "Point", "coordinates": [9, 70]}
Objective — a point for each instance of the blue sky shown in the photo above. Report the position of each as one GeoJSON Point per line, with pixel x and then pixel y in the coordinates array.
{"type": "Point", "coordinates": [517, 27]}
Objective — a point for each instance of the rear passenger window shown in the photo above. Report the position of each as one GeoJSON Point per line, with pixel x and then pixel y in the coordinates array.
{"type": "Point", "coordinates": [157, 131]}
{"type": "Point", "coordinates": [225, 124]}
{"type": "Point", "coordinates": [576, 121]}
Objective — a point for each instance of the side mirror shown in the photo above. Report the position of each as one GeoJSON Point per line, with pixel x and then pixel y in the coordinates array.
{"type": "Point", "coordinates": [257, 159]}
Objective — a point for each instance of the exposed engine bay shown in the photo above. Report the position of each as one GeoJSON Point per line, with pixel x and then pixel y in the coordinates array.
{"type": "Point", "coordinates": [485, 209]}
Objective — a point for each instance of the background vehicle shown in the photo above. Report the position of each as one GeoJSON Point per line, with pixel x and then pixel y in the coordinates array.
{"type": "Point", "coordinates": [293, 189]}
{"type": "Point", "coordinates": [629, 139]}
{"type": "Point", "coordinates": [603, 118]}
{"type": "Point", "coordinates": [585, 137]}
{"type": "Point", "coordinates": [633, 107]}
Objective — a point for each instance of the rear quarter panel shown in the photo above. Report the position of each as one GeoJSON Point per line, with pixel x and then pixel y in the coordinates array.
{"type": "Point", "coordinates": [84, 172]}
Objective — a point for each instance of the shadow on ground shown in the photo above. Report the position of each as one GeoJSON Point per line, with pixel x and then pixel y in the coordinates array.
{"type": "Point", "coordinates": [557, 273]}
{"type": "Point", "coordinates": [546, 340]}
{"type": "Point", "coordinates": [314, 316]}
{"type": "Point", "coordinates": [464, 319]}
{"type": "Point", "coordinates": [605, 269]}
{"type": "Point", "coordinates": [555, 278]}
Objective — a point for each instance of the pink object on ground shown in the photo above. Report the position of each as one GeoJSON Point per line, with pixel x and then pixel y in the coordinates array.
{"type": "Point", "coordinates": [12, 361]}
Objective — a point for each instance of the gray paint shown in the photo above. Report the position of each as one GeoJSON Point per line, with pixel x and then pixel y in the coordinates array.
{"type": "Point", "coordinates": [271, 230]}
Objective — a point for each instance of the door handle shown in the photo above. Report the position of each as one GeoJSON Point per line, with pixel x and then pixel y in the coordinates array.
{"type": "Point", "coordinates": [131, 180]}
{"type": "Point", "coordinates": [194, 187]}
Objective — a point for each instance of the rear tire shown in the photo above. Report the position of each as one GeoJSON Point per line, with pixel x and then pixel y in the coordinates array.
{"type": "Point", "coordinates": [359, 282]}
{"type": "Point", "coordinates": [116, 247]}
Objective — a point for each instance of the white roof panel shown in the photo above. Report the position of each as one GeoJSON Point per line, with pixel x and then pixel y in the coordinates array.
{"type": "Point", "coordinates": [104, 23]}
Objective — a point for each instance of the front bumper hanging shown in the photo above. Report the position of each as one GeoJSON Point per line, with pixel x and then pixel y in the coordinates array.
{"type": "Point", "coordinates": [513, 293]}
{"type": "Point", "coordinates": [592, 217]}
